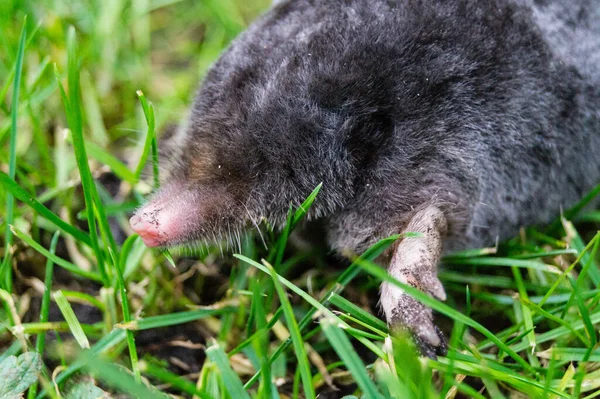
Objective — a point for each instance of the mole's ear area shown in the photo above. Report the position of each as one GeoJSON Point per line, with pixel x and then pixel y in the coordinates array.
{"type": "Point", "coordinates": [414, 262]}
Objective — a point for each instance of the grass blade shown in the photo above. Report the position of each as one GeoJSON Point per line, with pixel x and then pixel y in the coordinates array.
{"type": "Point", "coordinates": [127, 317]}
{"type": "Point", "coordinates": [116, 377]}
{"type": "Point", "coordinates": [233, 384]}
{"type": "Point", "coordinates": [176, 318]}
{"type": "Point", "coordinates": [92, 200]}
{"type": "Point", "coordinates": [296, 336]}
{"type": "Point", "coordinates": [577, 243]}
{"type": "Point", "coordinates": [525, 312]}
{"type": "Point", "coordinates": [81, 157]}
{"type": "Point", "coordinates": [573, 211]}
{"type": "Point", "coordinates": [344, 279]}
{"type": "Point", "coordinates": [506, 262]}
{"type": "Point", "coordinates": [340, 342]}
{"type": "Point", "coordinates": [40, 342]}
{"type": "Point", "coordinates": [172, 379]}
{"type": "Point", "coordinates": [71, 319]}
{"type": "Point", "coordinates": [117, 336]}
{"type": "Point", "coordinates": [305, 206]}
{"type": "Point", "coordinates": [358, 313]}
{"type": "Point", "coordinates": [59, 261]}
{"type": "Point", "coordinates": [106, 158]}
{"type": "Point", "coordinates": [6, 270]}
{"type": "Point", "coordinates": [19, 193]}
{"type": "Point", "coordinates": [150, 142]}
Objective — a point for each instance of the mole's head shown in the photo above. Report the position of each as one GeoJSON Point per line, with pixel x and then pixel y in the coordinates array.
{"type": "Point", "coordinates": [251, 148]}
{"type": "Point", "coordinates": [231, 167]}
{"type": "Point", "coordinates": [284, 109]}
{"type": "Point", "coordinates": [205, 181]}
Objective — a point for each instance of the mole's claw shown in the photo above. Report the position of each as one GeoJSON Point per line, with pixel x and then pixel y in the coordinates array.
{"type": "Point", "coordinates": [406, 313]}
{"type": "Point", "coordinates": [430, 350]}
{"type": "Point", "coordinates": [427, 332]}
{"type": "Point", "coordinates": [436, 289]}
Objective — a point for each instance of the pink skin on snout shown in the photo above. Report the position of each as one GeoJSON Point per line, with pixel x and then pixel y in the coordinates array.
{"type": "Point", "coordinates": [149, 230]}
{"type": "Point", "coordinates": [165, 219]}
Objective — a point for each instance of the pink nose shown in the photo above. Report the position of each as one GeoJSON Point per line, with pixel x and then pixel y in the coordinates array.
{"type": "Point", "coordinates": [148, 230]}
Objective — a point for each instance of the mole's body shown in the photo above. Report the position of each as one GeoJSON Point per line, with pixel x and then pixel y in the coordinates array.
{"type": "Point", "coordinates": [464, 120]}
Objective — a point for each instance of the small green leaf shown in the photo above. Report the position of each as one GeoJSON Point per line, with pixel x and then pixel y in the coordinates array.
{"type": "Point", "coordinates": [17, 374]}
{"type": "Point", "coordinates": [169, 258]}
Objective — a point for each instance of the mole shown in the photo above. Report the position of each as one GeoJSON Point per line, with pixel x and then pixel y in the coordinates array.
{"type": "Point", "coordinates": [462, 120]}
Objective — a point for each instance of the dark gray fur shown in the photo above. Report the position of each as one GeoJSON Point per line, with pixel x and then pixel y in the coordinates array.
{"type": "Point", "coordinates": [393, 104]}
{"type": "Point", "coordinates": [484, 113]}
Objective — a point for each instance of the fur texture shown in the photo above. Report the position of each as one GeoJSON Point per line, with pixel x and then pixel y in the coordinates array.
{"type": "Point", "coordinates": [489, 109]}
{"type": "Point", "coordinates": [485, 114]}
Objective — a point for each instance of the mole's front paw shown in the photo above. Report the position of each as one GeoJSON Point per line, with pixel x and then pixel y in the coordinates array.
{"type": "Point", "coordinates": [414, 262]}
{"type": "Point", "coordinates": [403, 312]}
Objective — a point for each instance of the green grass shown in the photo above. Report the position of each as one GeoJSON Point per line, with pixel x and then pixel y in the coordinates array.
{"type": "Point", "coordinates": [85, 88]}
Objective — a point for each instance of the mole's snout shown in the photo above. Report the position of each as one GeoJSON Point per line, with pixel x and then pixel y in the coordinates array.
{"type": "Point", "coordinates": [147, 228]}
{"type": "Point", "coordinates": [169, 218]}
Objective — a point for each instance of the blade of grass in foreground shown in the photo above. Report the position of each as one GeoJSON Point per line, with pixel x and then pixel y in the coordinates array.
{"type": "Point", "coordinates": [506, 262]}
{"type": "Point", "coordinates": [174, 380]}
{"type": "Point", "coordinates": [73, 109]}
{"type": "Point", "coordinates": [552, 335]}
{"type": "Point", "coordinates": [5, 269]}
{"type": "Point", "coordinates": [59, 261]}
{"type": "Point", "coordinates": [296, 336]}
{"type": "Point", "coordinates": [40, 342]}
{"type": "Point", "coordinates": [233, 384]}
{"type": "Point", "coordinates": [115, 376]}
{"type": "Point", "coordinates": [106, 158]}
{"type": "Point", "coordinates": [342, 346]}
{"type": "Point", "coordinates": [362, 316]}
{"type": "Point", "coordinates": [568, 270]}
{"type": "Point", "coordinates": [536, 308]}
{"type": "Point", "coordinates": [276, 255]}
{"type": "Point", "coordinates": [337, 287]}
{"type": "Point", "coordinates": [19, 193]}
{"type": "Point", "coordinates": [127, 317]}
{"type": "Point", "coordinates": [173, 319]}
{"type": "Point", "coordinates": [526, 315]}
{"type": "Point", "coordinates": [83, 166]}
{"type": "Point", "coordinates": [484, 369]}
{"type": "Point", "coordinates": [317, 306]}
{"type": "Point", "coordinates": [573, 211]}
{"type": "Point", "coordinates": [576, 242]}
{"type": "Point", "coordinates": [71, 319]}
{"type": "Point", "coordinates": [570, 354]}
{"type": "Point", "coordinates": [260, 342]}
{"type": "Point", "coordinates": [150, 142]}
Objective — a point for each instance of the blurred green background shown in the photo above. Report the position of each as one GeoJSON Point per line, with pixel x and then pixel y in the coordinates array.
{"type": "Point", "coordinates": [161, 47]}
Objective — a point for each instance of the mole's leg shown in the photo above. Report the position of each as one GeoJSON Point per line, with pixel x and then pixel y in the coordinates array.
{"type": "Point", "coordinates": [415, 262]}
